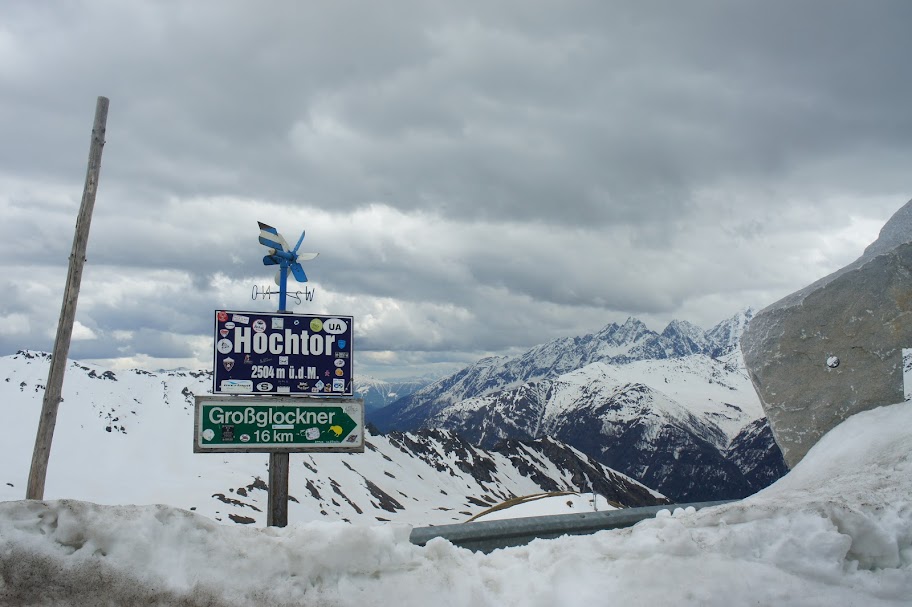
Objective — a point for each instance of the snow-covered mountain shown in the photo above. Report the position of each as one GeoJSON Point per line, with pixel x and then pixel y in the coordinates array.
{"type": "Point", "coordinates": [126, 437]}
{"type": "Point", "coordinates": [664, 408]}
{"type": "Point", "coordinates": [378, 393]}
{"type": "Point", "coordinates": [612, 413]}
{"type": "Point", "coordinates": [756, 455]}
{"type": "Point", "coordinates": [615, 344]}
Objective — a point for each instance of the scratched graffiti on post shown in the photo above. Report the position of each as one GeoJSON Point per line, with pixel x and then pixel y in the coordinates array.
{"type": "Point", "coordinates": [260, 292]}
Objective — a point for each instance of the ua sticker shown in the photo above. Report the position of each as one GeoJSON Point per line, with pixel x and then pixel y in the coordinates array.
{"type": "Point", "coordinates": [341, 343]}
{"type": "Point", "coordinates": [335, 326]}
{"type": "Point", "coordinates": [228, 363]}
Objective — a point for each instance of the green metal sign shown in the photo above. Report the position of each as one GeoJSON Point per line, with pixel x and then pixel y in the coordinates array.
{"type": "Point", "coordinates": [272, 424]}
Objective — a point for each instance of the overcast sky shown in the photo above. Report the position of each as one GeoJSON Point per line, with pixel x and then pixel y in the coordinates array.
{"type": "Point", "coordinates": [478, 177]}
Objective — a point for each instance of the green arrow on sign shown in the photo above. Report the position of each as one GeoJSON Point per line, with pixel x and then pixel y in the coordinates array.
{"type": "Point", "coordinates": [226, 425]}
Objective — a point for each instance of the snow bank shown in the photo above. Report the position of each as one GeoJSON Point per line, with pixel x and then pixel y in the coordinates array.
{"type": "Point", "coordinates": [836, 531]}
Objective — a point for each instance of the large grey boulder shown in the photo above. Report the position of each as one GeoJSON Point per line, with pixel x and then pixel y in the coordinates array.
{"type": "Point", "coordinates": [834, 348]}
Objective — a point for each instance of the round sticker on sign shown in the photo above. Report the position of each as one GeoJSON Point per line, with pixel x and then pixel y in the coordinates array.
{"type": "Point", "coordinates": [339, 362]}
{"type": "Point", "coordinates": [316, 325]}
{"type": "Point", "coordinates": [224, 346]}
{"type": "Point", "coordinates": [335, 326]}
{"type": "Point", "coordinates": [259, 325]}
{"type": "Point", "coordinates": [222, 316]}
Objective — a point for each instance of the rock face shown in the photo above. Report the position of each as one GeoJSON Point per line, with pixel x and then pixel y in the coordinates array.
{"type": "Point", "coordinates": [834, 348]}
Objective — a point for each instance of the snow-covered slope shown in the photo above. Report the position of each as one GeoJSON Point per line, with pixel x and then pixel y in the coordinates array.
{"type": "Point", "coordinates": [612, 413]}
{"type": "Point", "coordinates": [126, 437]}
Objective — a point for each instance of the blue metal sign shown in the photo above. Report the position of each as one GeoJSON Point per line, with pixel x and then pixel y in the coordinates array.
{"type": "Point", "coordinates": [271, 353]}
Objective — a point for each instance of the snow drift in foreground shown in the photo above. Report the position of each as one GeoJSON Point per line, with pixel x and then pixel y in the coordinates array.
{"type": "Point", "coordinates": [837, 530]}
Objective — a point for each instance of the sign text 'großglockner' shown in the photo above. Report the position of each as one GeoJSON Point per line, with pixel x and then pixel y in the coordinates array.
{"type": "Point", "coordinates": [272, 353]}
{"type": "Point", "coordinates": [278, 424]}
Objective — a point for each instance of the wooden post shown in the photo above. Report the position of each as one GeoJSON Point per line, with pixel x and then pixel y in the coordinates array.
{"type": "Point", "coordinates": [54, 388]}
{"type": "Point", "coordinates": [277, 506]}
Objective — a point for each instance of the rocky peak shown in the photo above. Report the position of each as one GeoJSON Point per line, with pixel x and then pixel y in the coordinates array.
{"type": "Point", "coordinates": [726, 336]}
{"type": "Point", "coordinates": [687, 337]}
{"type": "Point", "coordinates": [632, 331]}
{"type": "Point", "coordinates": [895, 232]}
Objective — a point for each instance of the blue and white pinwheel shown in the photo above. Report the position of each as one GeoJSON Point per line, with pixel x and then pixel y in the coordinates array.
{"type": "Point", "coordinates": [286, 258]}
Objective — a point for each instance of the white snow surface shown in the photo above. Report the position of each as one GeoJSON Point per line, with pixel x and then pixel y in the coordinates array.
{"type": "Point", "coordinates": [127, 438]}
{"type": "Point", "coordinates": [837, 530]}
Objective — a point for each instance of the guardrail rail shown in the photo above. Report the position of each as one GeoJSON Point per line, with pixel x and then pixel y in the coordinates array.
{"type": "Point", "coordinates": [486, 536]}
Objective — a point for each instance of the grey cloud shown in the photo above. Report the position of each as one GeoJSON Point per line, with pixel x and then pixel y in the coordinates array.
{"type": "Point", "coordinates": [149, 342]}
{"type": "Point", "coordinates": [628, 104]}
{"type": "Point", "coordinates": [599, 158]}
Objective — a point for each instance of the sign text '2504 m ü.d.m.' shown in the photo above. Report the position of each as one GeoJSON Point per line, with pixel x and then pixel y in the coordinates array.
{"type": "Point", "coordinates": [272, 353]}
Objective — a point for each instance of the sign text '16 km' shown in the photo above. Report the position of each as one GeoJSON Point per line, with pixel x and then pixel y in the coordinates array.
{"type": "Point", "coordinates": [227, 425]}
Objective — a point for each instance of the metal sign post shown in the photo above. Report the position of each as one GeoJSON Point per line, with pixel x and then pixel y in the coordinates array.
{"type": "Point", "coordinates": [277, 512]}
{"type": "Point", "coordinates": [286, 380]}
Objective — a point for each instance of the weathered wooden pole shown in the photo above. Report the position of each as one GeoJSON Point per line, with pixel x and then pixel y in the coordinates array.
{"type": "Point", "coordinates": [277, 496]}
{"type": "Point", "coordinates": [54, 388]}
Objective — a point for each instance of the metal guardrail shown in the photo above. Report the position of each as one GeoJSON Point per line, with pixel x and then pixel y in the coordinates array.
{"type": "Point", "coordinates": [486, 536]}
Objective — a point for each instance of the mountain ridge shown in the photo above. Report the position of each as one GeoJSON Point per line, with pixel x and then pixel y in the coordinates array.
{"type": "Point", "coordinates": [665, 409]}
{"type": "Point", "coordinates": [618, 344]}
